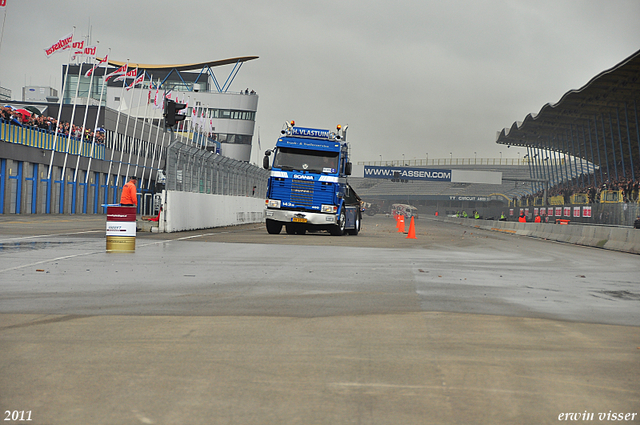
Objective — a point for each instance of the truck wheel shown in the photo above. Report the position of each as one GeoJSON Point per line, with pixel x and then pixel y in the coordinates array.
{"type": "Point", "coordinates": [356, 229]}
{"type": "Point", "coordinates": [338, 229]}
{"type": "Point", "coordinates": [273, 227]}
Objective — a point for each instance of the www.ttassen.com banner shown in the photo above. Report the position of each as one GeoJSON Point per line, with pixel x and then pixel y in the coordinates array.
{"type": "Point", "coordinates": [407, 173]}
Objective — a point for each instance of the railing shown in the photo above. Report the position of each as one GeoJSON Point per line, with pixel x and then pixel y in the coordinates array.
{"type": "Point", "coordinates": [43, 139]}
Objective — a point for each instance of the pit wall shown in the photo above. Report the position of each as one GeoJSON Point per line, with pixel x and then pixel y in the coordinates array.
{"type": "Point", "coordinates": [190, 211]}
{"type": "Point", "coordinates": [614, 238]}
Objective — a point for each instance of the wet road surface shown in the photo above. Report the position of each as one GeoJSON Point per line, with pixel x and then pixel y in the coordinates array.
{"type": "Point", "coordinates": [233, 325]}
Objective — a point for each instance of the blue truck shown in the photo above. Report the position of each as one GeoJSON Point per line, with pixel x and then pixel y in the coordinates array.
{"type": "Point", "coordinates": [308, 189]}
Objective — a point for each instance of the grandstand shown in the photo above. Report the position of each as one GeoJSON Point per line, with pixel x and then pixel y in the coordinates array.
{"type": "Point", "coordinates": [586, 147]}
{"type": "Point", "coordinates": [597, 123]}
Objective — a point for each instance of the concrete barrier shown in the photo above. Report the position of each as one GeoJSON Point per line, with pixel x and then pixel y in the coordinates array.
{"type": "Point", "coordinates": [190, 211]}
{"type": "Point", "coordinates": [624, 239]}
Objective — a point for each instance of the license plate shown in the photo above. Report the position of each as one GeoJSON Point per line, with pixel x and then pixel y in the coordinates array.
{"type": "Point", "coordinates": [299, 220]}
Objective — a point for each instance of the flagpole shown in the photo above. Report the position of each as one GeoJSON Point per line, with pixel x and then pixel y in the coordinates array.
{"type": "Point", "coordinates": [95, 127]}
{"type": "Point", "coordinates": [155, 150]}
{"type": "Point", "coordinates": [155, 144]}
{"type": "Point", "coordinates": [115, 141]}
{"type": "Point", "coordinates": [84, 123]}
{"type": "Point", "coordinates": [126, 128]}
{"type": "Point", "coordinates": [194, 111]}
{"type": "Point", "coordinates": [135, 124]}
{"type": "Point", "coordinates": [192, 124]}
{"type": "Point", "coordinates": [4, 19]}
{"type": "Point", "coordinates": [64, 83]}
{"type": "Point", "coordinates": [164, 133]}
{"type": "Point", "coordinates": [199, 126]}
{"type": "Point", "coordinates": [146, 114]}
{"type": "Point", "coordinates": [183, 124]}
{"type": "Point", "coordinates": [73, 115]}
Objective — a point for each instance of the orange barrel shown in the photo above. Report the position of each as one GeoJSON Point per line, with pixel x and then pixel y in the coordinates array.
{"type": "Point", "coordinates": [121, 229]}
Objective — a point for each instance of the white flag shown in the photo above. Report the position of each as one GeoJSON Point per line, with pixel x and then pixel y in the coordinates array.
{"type": "Point", "coordinates": [119, 71]}
{"type": "Point", "coordinates": [90, 71]}
{"type": "Point", "coordinates": [133, 73]}
{"type": "Point", "coordinates": [138, 80]}
{"type": "Point", "coordinates": [157, 99]}
{"type": "Point", "coordinates": [61, 44]}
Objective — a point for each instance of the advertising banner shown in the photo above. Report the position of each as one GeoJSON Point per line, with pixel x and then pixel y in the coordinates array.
{"type": "Point", "coordinates": [576, 211]}
{"type": "Point", "coordinates": [406, 173]}
{"type": "Point", "coordinates": [586, 211]}
{"type": "Point", "coordinates": [567, 211]}
{"type": "Point", "coordinates": [558, 211]}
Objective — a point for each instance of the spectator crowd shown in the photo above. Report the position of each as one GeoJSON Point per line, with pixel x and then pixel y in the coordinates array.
{"type": "Point", "coordinates": [629, 187]}
{"type": "Point", "coordinates": [24, 118]}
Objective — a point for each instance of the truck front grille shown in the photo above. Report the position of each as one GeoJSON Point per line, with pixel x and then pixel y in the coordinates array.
{"type": "Point", "coordinates": [302, 192]}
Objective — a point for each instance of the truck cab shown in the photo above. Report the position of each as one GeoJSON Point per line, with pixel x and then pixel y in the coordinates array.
{"type": "Point", "coordinates": [308, 188]}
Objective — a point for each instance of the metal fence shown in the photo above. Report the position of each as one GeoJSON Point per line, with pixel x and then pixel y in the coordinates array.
{"type": "Point", "coordinates": [620, 214]}
{"type": "Point", "coordinates": [192, 169]}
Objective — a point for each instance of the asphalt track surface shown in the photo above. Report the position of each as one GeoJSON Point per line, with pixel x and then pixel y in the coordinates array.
{"type": "Point", "coordinates": [235, 326]}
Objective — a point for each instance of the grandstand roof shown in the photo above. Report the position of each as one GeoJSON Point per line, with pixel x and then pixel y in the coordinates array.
{"type": "Point", "coordinates": [611, 97]}
{"type": "Point", "coordinates": [186, 66]}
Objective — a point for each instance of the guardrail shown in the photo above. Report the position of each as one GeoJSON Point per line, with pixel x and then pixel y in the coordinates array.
{"type": "Point", "coordinates": [614, 238]}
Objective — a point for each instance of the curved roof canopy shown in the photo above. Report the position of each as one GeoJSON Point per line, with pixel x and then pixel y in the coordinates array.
{"type": "Point", "coordinates": [187, 80]}
{"type": "Point", "coordinates": [603, 115]}
{"type": "Point", "coordinates": [186, 66]}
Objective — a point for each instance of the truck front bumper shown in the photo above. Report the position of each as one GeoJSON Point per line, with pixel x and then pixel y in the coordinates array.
{"type": "Point", "coordinates": [316, 219]}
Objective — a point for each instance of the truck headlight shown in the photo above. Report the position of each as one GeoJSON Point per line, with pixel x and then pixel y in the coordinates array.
{"type": "Point", "coordinates": [332, 209]}
{"type": "Point", "coordinates": [273, 203]}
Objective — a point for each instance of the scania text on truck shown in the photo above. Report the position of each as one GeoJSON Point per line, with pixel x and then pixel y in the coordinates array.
{"type": "Point", "coordinates": [308, 188]}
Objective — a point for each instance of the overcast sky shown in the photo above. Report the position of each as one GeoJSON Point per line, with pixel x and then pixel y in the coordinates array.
{"type": "Point", "coordinates": [408, 77]}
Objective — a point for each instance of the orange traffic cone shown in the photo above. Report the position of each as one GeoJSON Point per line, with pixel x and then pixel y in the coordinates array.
{"type": "Point", "coordinates": [412, 230]}
{"type": "Point", "coordinates": [401, 224]}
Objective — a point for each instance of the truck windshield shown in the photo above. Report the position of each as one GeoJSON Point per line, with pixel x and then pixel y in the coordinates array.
{"type": "Point", "coordinates": [306, 160]}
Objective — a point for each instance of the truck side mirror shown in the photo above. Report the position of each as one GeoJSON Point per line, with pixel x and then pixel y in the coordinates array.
{"type": "Point", "coordinates": [265, 162]}
{"type": "Point", "coordinates": [347, 169]}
